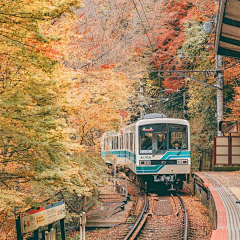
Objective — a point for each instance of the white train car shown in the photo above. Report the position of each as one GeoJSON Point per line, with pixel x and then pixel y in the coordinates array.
{"type": "Point", "coordinates": [155, 149]}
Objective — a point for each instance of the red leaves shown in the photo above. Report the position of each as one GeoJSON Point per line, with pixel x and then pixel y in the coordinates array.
{"type": "Point", "coordinates": [107, 66]}
{"type": "Point", "coordinates": [49, 50]}
{"type": "Point", "coordinates": [123, 113]}
{"type": "Point", "coordinates": [171, 36]}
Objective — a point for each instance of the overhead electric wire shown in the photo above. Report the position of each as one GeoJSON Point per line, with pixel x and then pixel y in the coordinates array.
{"type": "Point", "coordinates": [143, 24]}
{"type": "Point", "coordinates": [176, 71]}
{"type": "Point", "coordinates": [144, 13]}
{"type": "Point", "coordinates": [146, 29]}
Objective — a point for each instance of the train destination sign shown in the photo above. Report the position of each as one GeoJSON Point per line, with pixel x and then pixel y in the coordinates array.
{"type": "Point", "coordinates": [33, 219]}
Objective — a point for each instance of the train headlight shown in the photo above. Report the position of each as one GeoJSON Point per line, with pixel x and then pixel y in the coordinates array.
{"type": "Point", "coordinates": [182, 162]}
{"type": "Point", "coordinates": [145, 162]}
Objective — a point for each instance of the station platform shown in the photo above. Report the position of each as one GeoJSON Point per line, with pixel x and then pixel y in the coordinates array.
{"type": "Point", "coordinates": [220, 191]}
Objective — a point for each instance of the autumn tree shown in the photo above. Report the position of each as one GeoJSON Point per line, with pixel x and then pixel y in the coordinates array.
{"type": "Point", "coordinates": [231, 89]}
{"type": "Point", "coordinates": [96, 100]}
{"type": "Point", "coordinates": [34, 152]}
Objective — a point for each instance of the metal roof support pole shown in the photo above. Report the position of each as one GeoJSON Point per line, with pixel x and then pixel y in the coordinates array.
{"type": "Point", "coordinates": [219, 84]}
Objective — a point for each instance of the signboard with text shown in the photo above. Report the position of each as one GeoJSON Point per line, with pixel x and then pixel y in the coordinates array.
{"type": "Point", "coordinates": [33, 219]}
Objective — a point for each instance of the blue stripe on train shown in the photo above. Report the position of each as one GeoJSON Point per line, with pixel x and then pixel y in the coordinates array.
{"type": "Point", "coordinates": [176, 154]}
{"type": "Point", "coordinates": [121, 154]}
{"type": "Point", "coordinates": [153, 168]}
{"type": "Point", "coordinates": [167, 156]}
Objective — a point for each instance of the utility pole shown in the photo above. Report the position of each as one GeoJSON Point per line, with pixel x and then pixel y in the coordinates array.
{"type": "Point", "coordinates": [141, 98]}
{"type": "Point", "coordinates": [219, 79]}
{"type": "Point", "coordinates": [219, 84]}
{"type": "Point", "coordinates": [185, 115]}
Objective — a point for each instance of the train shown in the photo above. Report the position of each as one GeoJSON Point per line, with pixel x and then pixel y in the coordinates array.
{"type": "Point", "coordinates": [155, 149]}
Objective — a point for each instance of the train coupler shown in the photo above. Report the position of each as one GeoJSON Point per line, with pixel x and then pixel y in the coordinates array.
{"type": "Point", "coordinates": [164, 178]}
{"type": "Point", "coordinates": [171, 188]}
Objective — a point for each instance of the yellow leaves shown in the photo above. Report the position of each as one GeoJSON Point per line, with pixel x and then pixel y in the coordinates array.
{"type": "Point", "coordinates": [10, 197]}
{"type": "Point", "coordinates": [94, 104]}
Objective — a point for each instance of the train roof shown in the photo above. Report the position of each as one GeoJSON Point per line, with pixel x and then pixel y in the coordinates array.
{"type": "Point", "coordinates": [148, 119]}
{"type": "Point", "coordinates": [158, 120]}
{"type": "Point", "coordinates": [153, 115]}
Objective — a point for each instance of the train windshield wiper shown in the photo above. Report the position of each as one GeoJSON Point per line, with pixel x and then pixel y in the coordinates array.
{"type": "Point", "coordinates": [158, 149]}
{"type": "Point", "coordinates": [179, 151]}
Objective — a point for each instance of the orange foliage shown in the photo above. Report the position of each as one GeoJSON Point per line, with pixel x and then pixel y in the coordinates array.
{"type": "Point", "coordinates": [232, 72]}
{"type": "Point", "coordinates": [171, 36]}
{"type": "Point", "coordinates": [231, 77]}
{"type": "Point", "coordinates": [49, 50]}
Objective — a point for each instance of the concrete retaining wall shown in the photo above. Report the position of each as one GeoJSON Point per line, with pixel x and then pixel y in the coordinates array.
{"type": "Point", "coordinates": [205, 196]}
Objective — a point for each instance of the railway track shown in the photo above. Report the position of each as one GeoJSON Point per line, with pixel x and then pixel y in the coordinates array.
{"type": "Point", "coordinates": [140, 221]}
{"type": "Point", "coordinates": [160, 217]}
{"type": "Point", "coordinates": [163, 217]}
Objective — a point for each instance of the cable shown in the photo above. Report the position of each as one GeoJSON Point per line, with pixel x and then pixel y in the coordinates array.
{"type": "Point", "coordinates": [144, 13]}
{"type": "Point", "coordinates": [190, 71]}
{"type": "Point", "coordinates": [149, 26]}
{"type": "Point", "coordinates": [143, 24]}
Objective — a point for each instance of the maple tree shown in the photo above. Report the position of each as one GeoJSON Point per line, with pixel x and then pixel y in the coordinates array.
{"type": "Point", "coordinates": [96, 100]}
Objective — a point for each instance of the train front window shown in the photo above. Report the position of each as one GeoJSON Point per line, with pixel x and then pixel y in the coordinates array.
{"type": "Point", "coordinates": [153, 138]}
{"type": "Point", "coordinates": [146, 143]}
{"type": "Point", "coordinates": [161, 141]}
{"type": "Point", "coordinates": [158, 138]}
{"type": "Point", "coordinates": [177, 136]}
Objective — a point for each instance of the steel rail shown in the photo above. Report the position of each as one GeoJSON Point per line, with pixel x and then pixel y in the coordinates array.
{"type": "Point", "coordinates": [177, 212]}
{"type": "Point", "coordinates": [185, 234]}
{"type": "Point", "coordinates": [137, 223]}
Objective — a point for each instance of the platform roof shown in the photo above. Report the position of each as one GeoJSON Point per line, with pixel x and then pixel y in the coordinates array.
{"type": "Point", "coordinates": [227, 40]}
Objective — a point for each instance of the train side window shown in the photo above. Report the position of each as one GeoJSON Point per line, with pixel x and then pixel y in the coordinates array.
{"type": "Point", "coordinates": [125, 141]}
{"type": "Point", "coordinates": [134, 146]}
{"type": "Point", "coordinates": [120, 142]}
{"type": "Point", "coordinates": [111, 143]}
{"type": "Point", "coordinates": [131, 142]}
{"type": "Point", "coordinates": [116, 142]}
